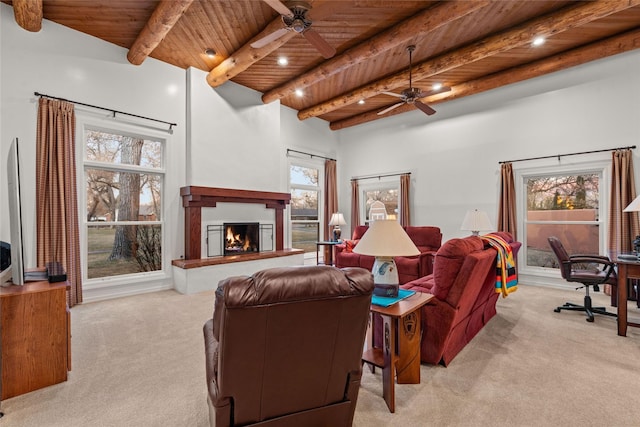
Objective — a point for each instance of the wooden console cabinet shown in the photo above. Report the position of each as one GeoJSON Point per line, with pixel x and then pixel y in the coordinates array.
{"type": "Point", "coordinates": [36, 336]}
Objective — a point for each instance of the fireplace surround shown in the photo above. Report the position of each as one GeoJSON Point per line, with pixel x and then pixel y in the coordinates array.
{"type": "Point", "coordinates": [195, 198]}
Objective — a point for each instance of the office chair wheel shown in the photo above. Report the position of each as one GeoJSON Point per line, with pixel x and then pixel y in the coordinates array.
{"type": "Point", "coordinates": [590, 319]}
{"type": "Point", "coordinates": [557, 310]}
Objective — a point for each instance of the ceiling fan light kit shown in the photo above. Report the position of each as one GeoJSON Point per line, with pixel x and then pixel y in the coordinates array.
{"type": "Point", "coordinates": [294, 18]}
{"type": "Point", "coordinates": [412, 95]}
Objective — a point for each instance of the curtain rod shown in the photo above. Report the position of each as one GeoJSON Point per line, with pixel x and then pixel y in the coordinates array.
{"type": "Point", "coordinates": [358, 178]}
{"type": "Point", "coordinates": [309, 154]}
{"type": "Point", "coordinates": [114, 112]}
{"type": "Point", "coordinates": [569, 154]}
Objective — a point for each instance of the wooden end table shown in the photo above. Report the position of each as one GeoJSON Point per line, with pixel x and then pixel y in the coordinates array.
{"type": "Point", "coordinates": [401, 323]}
{"type": "Point", "coordinates": [329, 252]}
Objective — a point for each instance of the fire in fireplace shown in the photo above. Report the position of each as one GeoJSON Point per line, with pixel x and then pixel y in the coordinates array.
{"type": "Point", "coordinates": [241, 238]}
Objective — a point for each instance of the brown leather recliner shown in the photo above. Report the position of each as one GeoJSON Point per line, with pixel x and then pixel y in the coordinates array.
{"type": "Point", "coordinates": [284, 347]}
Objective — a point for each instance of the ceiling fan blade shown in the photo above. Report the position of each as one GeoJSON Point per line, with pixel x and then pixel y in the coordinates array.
{"type": "Point", "coordinates": [424, 108]}
{"type": "Point", "coordinates": [325, 49]}
{"type": "Point", "coordinates": [393, 107]}
{"type": "Point", "coordinates": [279, 7]}
{"type": "Point", "coordinates": [443, 89]}
{"type": "Point", "coordinates": [393, 94]}
{"type": "Point", "coordinates": [269, 38]}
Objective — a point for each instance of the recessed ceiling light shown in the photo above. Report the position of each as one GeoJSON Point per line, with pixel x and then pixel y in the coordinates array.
{"type": "Point", "coordinates": [299, 92]}
{"type": "Point", "coordinates": [538, 41]}
{"type": "Point", "coordinates": [361, 102]}
{"type": "Point", "coordinates": [282, 61]}
{"type": "Point", "coordinates": [210, 52]}
{"type": "Point", "coordinates": [437, 86]}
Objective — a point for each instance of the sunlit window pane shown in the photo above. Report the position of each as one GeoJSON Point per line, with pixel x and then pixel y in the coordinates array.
{"type": "Point", "coordinates": [122, 149]}
{"type": "Point", "coordinates": [387, 196]}
{"type": "Point", "coordinates": [565, 206]}
{"type": "Point", "coordinates": [303, 176]}
{"type": "Point", "coordinates": [305, 236]}
{"type": "Point", "coordinates": [304, 205]}
{"type": "Point", "coordinates": [122, 196]}
{"type": "Point", "coordinates": [125, 249]}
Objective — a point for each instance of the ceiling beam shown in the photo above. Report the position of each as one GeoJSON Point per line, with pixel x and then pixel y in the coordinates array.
{"type": "Point", "coordinates": [246, 56]}
{"type": "Point", "coordinates": [624, 42]}
{"type": "Point", "coordinates": [424, 22]}
{"type": "Point", "coordinates": [28, 14]}
{"type": "Point", "coordinates": [548, 25]}
{"type": "Point", "coordinates": [162, 20]}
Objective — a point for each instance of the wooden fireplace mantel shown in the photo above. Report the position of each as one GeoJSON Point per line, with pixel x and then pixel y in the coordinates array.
{"type": "Point", "coordinates": [195, 198]}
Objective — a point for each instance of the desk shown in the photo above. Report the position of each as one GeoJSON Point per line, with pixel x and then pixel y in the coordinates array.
{"type": "Point", "coordinates": [329, 258]}
{"type": "Point", "coordinates": [400, 354]}
{"type": "Point", "coordinates": [627, 269]}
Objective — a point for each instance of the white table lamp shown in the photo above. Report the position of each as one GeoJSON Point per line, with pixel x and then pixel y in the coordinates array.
{"type": "Point", "coordinates": [386, 239]}
{"type": "Point", "coordinates": [476, 221]}
{"type": "Point", "coordinates": [337, 219]}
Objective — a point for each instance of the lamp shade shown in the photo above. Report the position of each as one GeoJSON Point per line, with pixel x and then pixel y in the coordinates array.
{"type": "Point", "coordinates": [386, 238]}
{"type": "Point", "coordinates": [633, 206]}
{"type": "Point", "coordinates": [337, 219]}
{"type": "Point", "coordinates": [476, 221]}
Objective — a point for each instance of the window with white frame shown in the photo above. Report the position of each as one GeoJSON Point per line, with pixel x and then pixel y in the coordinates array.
{"type": "Point", "coordinates": [123, 199]}
{"type": "Point", "coordinates": [306, 206]}
{"type": "Point", "coordinates": [380, 191]}
{"type": "Point", "coordinates": [566, 202]}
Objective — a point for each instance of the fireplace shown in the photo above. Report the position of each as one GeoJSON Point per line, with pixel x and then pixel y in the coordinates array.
{"type": "Point", "coordinates": [241, 238]}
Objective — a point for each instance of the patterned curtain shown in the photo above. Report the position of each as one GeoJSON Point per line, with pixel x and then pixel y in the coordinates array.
{"type": "Point", "coordinates": [507, 204]}
{"type": "Point", "coordinates": [355, 205]}
{"type": "Point", "coordinates": [405, 213]}
{"type": "Point", "coordinates": [56, 199]}
{"type": "Point", "coordinates": [623, 226]}
{"type": "Point", "coordinates": [330, 196]}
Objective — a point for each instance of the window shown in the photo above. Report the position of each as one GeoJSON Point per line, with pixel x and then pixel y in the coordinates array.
{"type": "Point", "coordinates": [123, 224]}
{"type": "Point", "coordinates": [306, 205]}
{"type": "Point", "coordinates": [566, 204]}
{"type": "Point", "coordinates": [386, 193]}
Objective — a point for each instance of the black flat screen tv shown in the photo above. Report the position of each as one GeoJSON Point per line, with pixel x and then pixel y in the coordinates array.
{"type": "Point", "coordinates": [16, 268]}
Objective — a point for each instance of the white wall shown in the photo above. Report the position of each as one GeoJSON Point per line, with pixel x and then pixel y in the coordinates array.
{"type": "Point", "coordinates": [454, 154]}
{"type": "Point", "coordinates": [225, 137]}
{"type": "Point", "coordinates": [61, 62]}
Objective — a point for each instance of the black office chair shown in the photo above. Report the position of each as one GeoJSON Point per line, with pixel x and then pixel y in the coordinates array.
{"type": "Point", "coordinates": [572, 270]}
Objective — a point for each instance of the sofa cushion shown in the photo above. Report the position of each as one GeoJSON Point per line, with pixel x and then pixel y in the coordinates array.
{"type": "Point", "coordinates": [426, 238]}
{"type": "Point", "coordinates": [449, 259]}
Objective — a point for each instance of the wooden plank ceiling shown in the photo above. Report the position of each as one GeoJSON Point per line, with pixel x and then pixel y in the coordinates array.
{"type": "Point", "coordinates": [469, 46]}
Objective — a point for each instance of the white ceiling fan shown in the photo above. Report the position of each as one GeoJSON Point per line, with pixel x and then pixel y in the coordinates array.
{"type": "Point", "coordinates": [412, 95]}
{"type": "Point", "coordinates": [294, 17]}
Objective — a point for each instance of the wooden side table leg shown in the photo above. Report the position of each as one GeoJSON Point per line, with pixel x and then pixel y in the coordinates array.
{"type": "Point", "coordinates": [389, 326]}
{"type": "Point", "coordinates": [408, 366]}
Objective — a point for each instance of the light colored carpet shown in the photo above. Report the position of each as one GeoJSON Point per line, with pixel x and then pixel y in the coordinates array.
{"type": "Point", "coordinates": [139, 361]}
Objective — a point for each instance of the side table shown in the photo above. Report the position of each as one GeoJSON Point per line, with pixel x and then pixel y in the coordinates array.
{"type": "Point", "coordinates": [400, 354]}
{"type": "Point", "coordinates": [328, 260]}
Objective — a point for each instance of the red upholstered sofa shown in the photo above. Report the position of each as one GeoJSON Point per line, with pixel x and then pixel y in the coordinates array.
{"type": "Point", "coordinates": [463, 283]}
{"type": "Point", "coordinates": [427, 239]}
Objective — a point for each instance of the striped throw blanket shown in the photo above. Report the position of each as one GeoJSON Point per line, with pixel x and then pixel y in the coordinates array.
{"type": "Point", "coordinates": [506, 276]}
